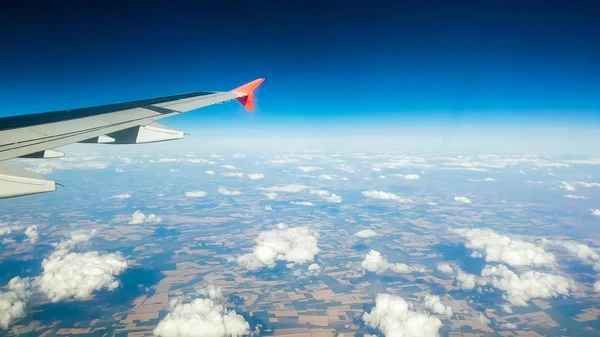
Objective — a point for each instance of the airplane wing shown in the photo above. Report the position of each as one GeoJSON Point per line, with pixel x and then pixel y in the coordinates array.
{"type": "Point", "coordinates": [36, 135]}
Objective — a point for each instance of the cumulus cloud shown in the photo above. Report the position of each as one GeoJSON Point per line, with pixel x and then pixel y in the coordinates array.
{"type": "Point", "coordinates": [313, 269]}
{"type": "Point", "coordinates": [463, 200]}
{"type": "Point", "coordinates": [77, 275]}
{"type": "Point", "coordinates": [327, 196]}
{"type": "Point", "coordinates": [295, 245]}
{"type": "Point", "coordinates": [307, 169]}
{"type": "Point", "coordinates": [225, 191]}
{"type": "Point", "coordinates": [256, 176]}
{"type": "Point", "coordinates": [386, 196]}
{"type": "Point", "coordinates": [6, 228]}
{"type": "Point", "coordinates": [433, 303]}
{"type": "Point", "coordinates": [122, 196]}
{"type": "Point", "coordinates": [519, 289]}
{"type": "Point", "coordinates": [501, 248]}
{"type": "Point", "coordinates": [210, 291]}
{"type": "Point", "coordinates": [199, 318]}
{"type": "Point", "coordinates": [292, 188]}
{"type": "Point", "coordinates": [195, 194]}
{"type": "Point", "coordinates": [465, 281]}
{"type": "Point", "coordinates": [76, 238]}
{"type": "Point", "coordinates": [32, 234]}
{"type": "Point", "coordinates": [302, 203]}
{"type": "Point", "coordinates": [489, 179]}
{"type": "Point", "coordinates": [412, 177]}
{"type": "Point", "coordinates": [13, 301]}
{"type": "Point", "coordinates": [567, 187]}
{"type": "Point", "coordinates": [229, 167]}
{"type": "Point", "coordinates": [377, 263]}
{"type": "Point", "coordinates": [140, 218]}
{"type": "Point", "coordinates": [366, 233]}
{"type": "Point", "coordinates": [445, 268]}
{"type": "Point", "coordinates": [271, 195]}
{"type": "Point", "coordinates": [210, 172]}
{"type": "Point", "coordinates": [395, 317]}
{"type": "Point", "coordinates": [596, 212]}
{"type": "Point", "coordinates": [233, 174]}
{"type": "Point", "coordinates": [585, 184]}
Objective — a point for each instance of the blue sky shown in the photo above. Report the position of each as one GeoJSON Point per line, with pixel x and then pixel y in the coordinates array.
{"type": "Point", "coordinates": [329, 65]}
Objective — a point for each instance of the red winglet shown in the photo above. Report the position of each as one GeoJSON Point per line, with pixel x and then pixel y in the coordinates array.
{"type": "Point", "coordinates": [247, 90]}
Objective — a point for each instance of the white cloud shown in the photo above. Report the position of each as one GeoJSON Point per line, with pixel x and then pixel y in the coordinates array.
{"type": "Point", "coordinates": [210, 291]}
{"type": "Point", "coordinates": [463, 200]}
{"type": "Point", "coordinates": [256, 176]}
{"type": "Point", "coordinates": [229, 167]}
{"type": "Point", "coordinates": [585, 184]}
{"type": "Point", "coordinates": [238, 155]}
{"type": "Point", "coordinates": [294, 245]}
{"type": "Point", "coordinates": [465, 281]}
{"type": "Point", "coordinates": [140, 218]}
{"type": "Point", "coordinates": [445, 268]}
{"type": "Point", "coordinates": [519, 289]}
{"type": "Point", "coordinates": [327, 196]}
{"type": "Point", "coordinates": [225, 191]}
{"type": "Point", "coordinates": [307, 169]}
{"type": "Point", "coordinates": [6, 228]}
{"type": "Point", "coordinates": [292, 188]}
{"type": "Point", "coordinates": [76, 238]}
{"type": "Point", "coordinates": [395, 317]}
{"type": "Point", "coordinates": [271, 195]}
{"type": "Point", "coordinates": [32, 234]}
{"type": "Point", "coordinates": [210, 172]}
{"type": "Point", "coordinates": [385, 196]}
{"type": "Point", "coordinates": [596, 212]}
{"type": "Point", "coordinates": [366, 233]}
{"type": "Point", "coordinates": [202, 317]}
{"type": "Point", "coordinates": [571, 196]}
{"type": "Point", "coordinates": [195, 194]}
{"type": "Point", "coordinates": [412, 177]}
{"type": "Point", "coordinates": [77, 275]}
{"type": "Point", "coordinates": [122, 196]}
{"type": "Point", "coordinates": [325, 177]}
{"type": "Point", "coordinates": [377, 263]}
{"type": "Point", "coordinates": [119, 170]}
{"type": "Point", "coordinates": [501, 248]}
{"type": "Point", "coordinates": [313, 269]}
{"type": "Point", "coordinates": [302, 203]}
{"type": "Point", "coordinates": [13, 301]}
{"type": "Point", "coordinates": [433, 303]}
{"type": "Point", "coordinates": [568, 187]}
{"type": "Point", "coordinates": [233, 174]}
{"type": "Point", "coordinates": [489, 179]}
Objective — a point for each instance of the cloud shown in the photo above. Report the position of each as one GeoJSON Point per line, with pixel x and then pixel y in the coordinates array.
{"type": "Point", "coordinates": [596, 212]}
{"type": "Point", "coordinates": [293, 188]}
{"type": "Point", "coordinates": [501, 248]}
{"type": "Point", "coordinates": [489, 179]}
{"type": "Point", "coordinates": [314, 268]}
{"type": "Point", "coordinates": [395, 317]}
{"type": "Point", "coordinates": [140, 218]}
{"type": "Point", "coordinates": [271, 195]}
{"type": "Point", "coordinates": [77, 275]}
{"type": "Point", "coordinates": [6, 228]}
{"type": "Point", "coordinates": [568, 187]}
{"type": "Point", "coordinates": [195, 194]}
{"type": "Point", "coordinates": [302, 203]}
{"type": "Point", "coordinates": [225, 191]}
{"type": "Point", "coordinates": [325, 177]}
{"type": "Point", "coordinates": [210, 291]}
{"type": "Point", "coordinates": [202, 317]}
{"type": "Point", "coordinates": [294, 245]}
{"type": "Point", "coordinates": [122, 196]}
{"type": "Point", "coordinates": [465, 281]}
{"type": "Point", "coordinates": [119, 170]}
{"type": "Point", "coordinates": [233, 174]}
{"type": "Point", "coordinates": [256, 176]}
{"type": "Point", "coordinates": [571, 196]}
{"type": "Point", "coordinates": [519, 289]}
{"type": "Point", "coordinates": [433, 303]}
{"type": "Point", "coordinates": [13, 301]}
{"type": "Point", "coordinates": [464, 200]}
{"type": "Point", "coordinates": [32, 234]}
{"type": "Point", "coordinates": [76, 238]}
{"type": "Point", "coordinates": [445, 268]}
{"type": "Point", "coordinates": [229, 167]}
{"type": "Point", "coordinates": [366, 233]}
{"type": "Point", "coordinates": [327, 196]}
{"type": "Point", "coordinates": [210, 172]}
{"type": "Point", "coordinates": [377, 263]}
{"type": "Point", "coordinates": [584, 184]}
{"type": "Point", "coordinates": [412, 177]}
{"type": "Point", "coordinates": [307, 169]}
{"type": "Point", "coordinates": [385, 196]}
{"type": "Point", "coordinates": [238, 155]}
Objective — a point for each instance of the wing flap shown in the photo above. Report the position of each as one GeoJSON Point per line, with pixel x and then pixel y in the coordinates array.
{"type": "Point", "coordinates": [15, 182]}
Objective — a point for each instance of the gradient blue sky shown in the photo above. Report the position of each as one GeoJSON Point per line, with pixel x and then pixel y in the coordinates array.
{"type": "Point", "coordinates": [328, 64]}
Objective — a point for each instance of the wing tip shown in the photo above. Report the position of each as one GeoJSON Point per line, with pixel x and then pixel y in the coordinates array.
{"type": "Point", "coordinates": [246, 93]}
